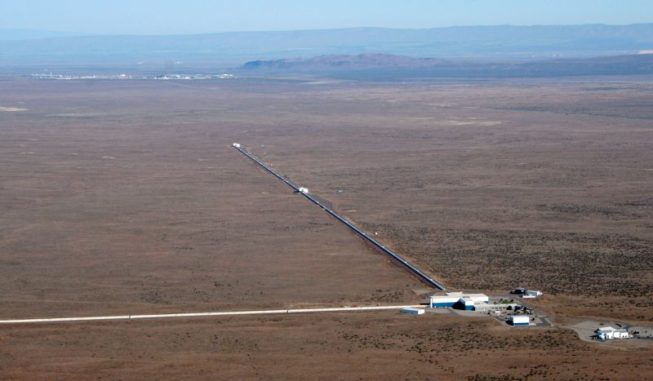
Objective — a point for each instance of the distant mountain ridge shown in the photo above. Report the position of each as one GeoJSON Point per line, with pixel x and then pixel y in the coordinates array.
{"type": "Point", "coordinates": [486, 42]}
{"type": "Point", "coordinates": [390, 67]}
{"type": "Point", "coordinates": [343, 62]}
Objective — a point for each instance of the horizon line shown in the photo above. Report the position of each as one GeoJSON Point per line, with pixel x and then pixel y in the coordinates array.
{"type": "Point", "coordinates": [103, 34]}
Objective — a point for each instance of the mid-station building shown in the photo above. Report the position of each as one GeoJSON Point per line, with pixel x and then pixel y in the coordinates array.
{"type": "Point", "coordinates": [458, 300]}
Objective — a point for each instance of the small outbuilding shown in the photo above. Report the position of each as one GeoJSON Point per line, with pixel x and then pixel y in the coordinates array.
{"type": "Point", "coordinates": [520, 320]}
{"type": "Point", "coordinates": [412, 311]}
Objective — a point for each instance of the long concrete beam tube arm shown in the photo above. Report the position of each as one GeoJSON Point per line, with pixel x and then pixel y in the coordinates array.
{"type": "Point", "coordinates": [305, 192]}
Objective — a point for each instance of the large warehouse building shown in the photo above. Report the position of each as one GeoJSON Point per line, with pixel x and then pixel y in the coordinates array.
{"type": "Point", "coordinates": [458, 300]}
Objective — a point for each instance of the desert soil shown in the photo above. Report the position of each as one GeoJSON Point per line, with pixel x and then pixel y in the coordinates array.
{"type": "Point", "coordinates": [125, 197]}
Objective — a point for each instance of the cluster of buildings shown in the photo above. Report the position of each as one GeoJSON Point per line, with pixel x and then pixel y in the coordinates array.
{"type": "Point", "coordinates": [162, 77]}
{"type": "Point", "coordinates": [188, 77]}
{"type": "Point", "coordinates": [480, 303]}
{"type": "Point", "coordinates": [513, 313]}
{"type": "Point", "coordinates": [506, 310]}
{"type": "Point", "coordinates": [71, 77]}
{"type": "Point", "coordinates": [477, 302]}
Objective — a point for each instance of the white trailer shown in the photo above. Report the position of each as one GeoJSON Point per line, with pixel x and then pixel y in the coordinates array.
{"type": "Point", "coordinates": [610, 333]}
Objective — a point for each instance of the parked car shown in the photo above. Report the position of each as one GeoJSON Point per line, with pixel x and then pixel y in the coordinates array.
{"type": "Point", "coordinates": [518, 291]}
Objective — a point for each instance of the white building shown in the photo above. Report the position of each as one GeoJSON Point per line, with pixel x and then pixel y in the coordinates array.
{"type": "Point", "coordinates": [445, 301]}
{"type": "Point", "coordinates": [610, 333]}
{"type": "Point", "coordinates": [412, 311]}
{"type": "Point", "coordinates": [458, 300]}
{"type": "Point", "coordinates": [520, 320]}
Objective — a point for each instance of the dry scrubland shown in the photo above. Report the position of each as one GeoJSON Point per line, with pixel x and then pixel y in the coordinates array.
{"type": "Point", "coordinates": [124, 197]}
{"type": "Point", "coordinates": [491, 186]}
{"type": "Point", "coordinates": [379, 346]}
{"type": "Point", "coordinates": [117, 198]}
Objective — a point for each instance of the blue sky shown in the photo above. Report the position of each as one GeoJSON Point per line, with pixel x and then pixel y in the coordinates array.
{"type": "Point", "coordinates": [194, 16]}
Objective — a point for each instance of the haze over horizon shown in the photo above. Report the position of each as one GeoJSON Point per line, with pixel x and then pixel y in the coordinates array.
{"type": "Point", "coordinates": [159, 35]}
{"type": "Point", "coordinates": [168, 17]}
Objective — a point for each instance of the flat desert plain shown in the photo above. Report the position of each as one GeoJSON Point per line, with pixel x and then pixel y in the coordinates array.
{"type": "Point", "coordinates": [125, 197]}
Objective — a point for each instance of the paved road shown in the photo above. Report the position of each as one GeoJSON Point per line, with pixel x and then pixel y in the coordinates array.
{"type": "Point", "coordinates": [412, 268]}
{"type": "Point", "coordinates": [197, 315]}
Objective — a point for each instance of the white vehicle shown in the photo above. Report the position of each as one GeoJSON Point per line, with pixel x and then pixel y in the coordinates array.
{"type": "Point", "coordinates": [529, 294]}
{"type": "Point", "coordinates": [303, 190]}
{"type": "Point", "coordinates": [526, 293]}
{"type": "Point", "coordinates": [236, 145]}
